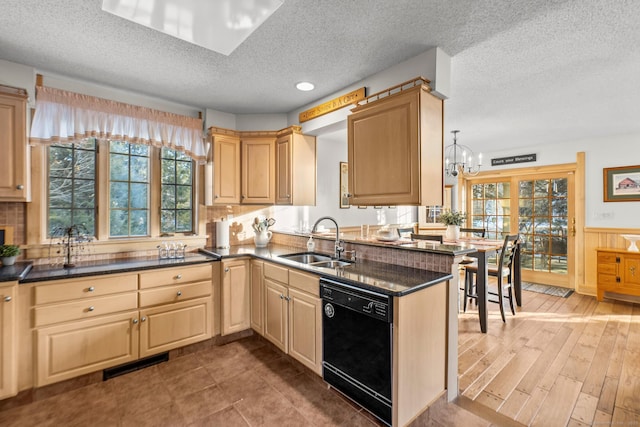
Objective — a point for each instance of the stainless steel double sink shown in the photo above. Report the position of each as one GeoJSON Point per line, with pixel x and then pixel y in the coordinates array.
{"type": "Point", "coordinates": [315, 260]}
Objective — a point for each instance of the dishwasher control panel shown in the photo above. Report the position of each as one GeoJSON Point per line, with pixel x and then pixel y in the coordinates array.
{"type": "Point", "coordinates": [370, 303]}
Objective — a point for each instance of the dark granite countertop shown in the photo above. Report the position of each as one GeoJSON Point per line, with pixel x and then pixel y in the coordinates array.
{"type": "Point", "coordinates": [45, 272]}
{"type": "Point", "coordinates": [388, 279]}
{"type": "Point", "coordinates": [17, 271]}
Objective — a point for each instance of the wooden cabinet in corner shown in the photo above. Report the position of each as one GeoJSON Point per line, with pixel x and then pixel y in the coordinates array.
{"type": "Point", "coordinates": [226, 166]}
{"type": "Point", "coordinates": [295, 168]}
{"type": "Point", "coordinates": [395, 148]}
{"type": "Point", "coordinates": [14, 185]}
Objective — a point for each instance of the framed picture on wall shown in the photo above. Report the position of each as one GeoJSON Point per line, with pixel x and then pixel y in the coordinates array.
{"type": "Point", "coordinates": [622, 184]}
{"type": "Point", "coordinates": [344, 185]}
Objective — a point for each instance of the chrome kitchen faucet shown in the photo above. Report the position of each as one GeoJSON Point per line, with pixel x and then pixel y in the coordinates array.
{"type": "Point", "coordinates": [337, 247]}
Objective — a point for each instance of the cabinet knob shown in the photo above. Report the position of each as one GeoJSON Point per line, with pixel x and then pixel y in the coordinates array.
{"type": "Point", "coordinates": [91, 308]}
{"type": "Point", "coordinates": [216, 196]}
{"type": "Point", "coordinates": [143, 319]}
{"type": "Point", "coordinates": [178, 277]}
{"type": "Point", "coordinates": [244, 197]}
{"type": "Point", "coordinates": [134, 321]}
{"type": "Point", "coordinates": [288, 196]}
{"type": "Point", "coordinates": [20, 187]}
{"type": "Point", "coordinates": [7, 299]}
{"type": "Point", "coordinates": [281, 296]}
{"type": "Point", "coordinates": [349, 195]}
{"type": "Point", "coordinates": [226, 270]}
{"type": "Point", "coordinates": [91, 289]}
{"type": "Point", "coordinates": [287, 298]}
{"type": "Point", "coordinates": [179, 293]}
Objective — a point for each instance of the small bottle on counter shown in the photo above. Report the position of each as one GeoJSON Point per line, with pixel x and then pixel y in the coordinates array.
{"type": "Point", "coordinates": [311, 245]}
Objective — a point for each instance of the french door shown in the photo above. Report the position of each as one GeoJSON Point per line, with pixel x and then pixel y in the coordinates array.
{"type": "Point", "coordinates": [540, 208]}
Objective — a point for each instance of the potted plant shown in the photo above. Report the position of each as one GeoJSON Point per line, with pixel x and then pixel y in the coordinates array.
{"type": "Point", "coordinates": [453, 220]}
{"type": "Point", "coordinates": [9, 253]}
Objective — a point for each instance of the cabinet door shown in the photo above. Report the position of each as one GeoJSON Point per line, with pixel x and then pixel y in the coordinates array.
{"type": "Point", "coordinates": [13, 142]}
{"type": "Point", "coordinates": [275, 314]}
{"type": "Point", "coordinates": [77, 348]}
{"type": "Point", "coordinates": [175, 325]}
{"type": "Point", "coordinates": [226, 170]}
{"type": "Point", "coordinates": [258, 171]}
{"type": "Point", "coordinates": [384, 152]}
{"type": "Point", "coordinates": [236, 299]}
{"type": "Point", "coordinates": [632, 272]}
{"type": "Point", "coordinates": [305, 329]}
{"type": "Point", "coordinates": [283, 170]}
{"type": "Point", "coordinates": [8, 362]}
{"type": "Point", "coordinates": [257, 296]}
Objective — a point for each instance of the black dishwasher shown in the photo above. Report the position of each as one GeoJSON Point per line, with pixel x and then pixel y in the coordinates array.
{"type": "Point", "coordinates": [357, 343]}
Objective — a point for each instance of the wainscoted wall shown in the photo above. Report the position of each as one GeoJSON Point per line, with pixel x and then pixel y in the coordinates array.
{"type": "Point", "coordinates": [595, 238]}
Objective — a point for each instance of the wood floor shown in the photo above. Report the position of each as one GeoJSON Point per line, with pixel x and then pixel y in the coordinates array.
{"type": "Point", "coordinates": [557, 362]}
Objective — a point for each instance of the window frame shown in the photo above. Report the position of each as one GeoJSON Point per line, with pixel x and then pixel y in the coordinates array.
{"type": "Point", "coordinates": [37, 213]}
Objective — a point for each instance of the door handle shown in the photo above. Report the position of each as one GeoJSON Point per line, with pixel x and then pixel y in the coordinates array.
{"type": "Point", "coordinates": [573, 227]}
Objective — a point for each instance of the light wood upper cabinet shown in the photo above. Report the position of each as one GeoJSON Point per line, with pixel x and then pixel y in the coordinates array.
{"type": "Point", "coordinates": [295, 168]}
{"type": "Point", "coordinates": [226, 169]}
{"type": "Point", "coordinates": [8, 343]}
{"type": "Point", "coordinates": [395, 150]}
{"type": "Point", "coordinates": [258, 170]}
{"type": "Point", "coordinates": [14, 179]}
{"type": "Point", "coordinates": [236, 299]}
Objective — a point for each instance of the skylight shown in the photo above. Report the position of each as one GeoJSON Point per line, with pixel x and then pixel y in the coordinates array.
{"type": "Point", "coordinates": [218, 25]}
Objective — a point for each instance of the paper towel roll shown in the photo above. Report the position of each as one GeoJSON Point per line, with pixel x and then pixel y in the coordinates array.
{"type": "Point", "coordinates": [222, 234]}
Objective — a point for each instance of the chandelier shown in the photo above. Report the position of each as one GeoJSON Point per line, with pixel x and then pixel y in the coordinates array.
{"type": "Point", "coordinates": [459, 158]}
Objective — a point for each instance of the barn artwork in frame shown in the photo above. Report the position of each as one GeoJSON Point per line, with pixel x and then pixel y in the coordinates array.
{"type": "Point", "coordinates": [622, 184]}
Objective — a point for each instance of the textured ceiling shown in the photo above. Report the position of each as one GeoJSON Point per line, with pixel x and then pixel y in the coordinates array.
{"type": "Point", "coordinates": [523, 72]}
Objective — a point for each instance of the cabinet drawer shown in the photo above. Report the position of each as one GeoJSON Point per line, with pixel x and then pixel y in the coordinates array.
{"type": "Point", "coordinates": [304, 282]}
{"type": "Point", "coordinates": [607, 279]}
{"type": "Point", "coordinates": [276, 272]}
{"type": "Point", "coordinates": [608, 268]}
{"type": "Point", "coordinates": [607, 258]}
{"type": "Point", "coordinates": [175, 276]}
{"type": "Point", "coordinates": [171, 294]}
{"type": "Point", "coordinates": [84, 309]}
{"type": "Point", "coordinates": [65, 290]}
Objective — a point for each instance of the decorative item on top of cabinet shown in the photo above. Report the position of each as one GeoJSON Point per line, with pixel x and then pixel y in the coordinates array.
{"type": "Point", "coordinates": [14, 184]}
{"type": "Point", "coordinates": [236, 296]}
{"type": "Point", "coordinates": [618, 272]}
{"type": "Point", "coordinates": [295, 168]}
{"type": "Point", "coordinates": [395, 147]}
{"type": "Point", "coordinates": [8, 343]}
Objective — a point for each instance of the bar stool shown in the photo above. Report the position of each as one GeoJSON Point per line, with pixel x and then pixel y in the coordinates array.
{"type": "Point", "coordinates": [503, 270]}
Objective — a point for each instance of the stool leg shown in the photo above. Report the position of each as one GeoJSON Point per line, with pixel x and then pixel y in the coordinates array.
{"type": "Point", "coordinates": [513, 311]}
{"type": "Point", "coordinates": [500, 300]}
{"type": "Point", "coordinates": [467, 276]}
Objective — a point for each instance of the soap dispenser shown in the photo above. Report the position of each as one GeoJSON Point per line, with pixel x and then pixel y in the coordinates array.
{"type": "Point", "coordinates": [311, 245]}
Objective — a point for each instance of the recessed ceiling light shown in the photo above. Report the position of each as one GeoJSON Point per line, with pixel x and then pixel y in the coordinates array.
{"type": "Point", "coordinates": [305, 86]}
{"type": "Point", "coordinates": [218, 25]}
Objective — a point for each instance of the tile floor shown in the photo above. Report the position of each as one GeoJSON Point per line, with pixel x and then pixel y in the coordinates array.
{"type": "Point", "coordinates": [244, 383]}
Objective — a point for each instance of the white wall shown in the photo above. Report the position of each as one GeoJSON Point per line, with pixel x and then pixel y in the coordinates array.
{"type": "Point", "coordinates": [331, 150]}
{"type": "Point", "coordinates": [622, 150]}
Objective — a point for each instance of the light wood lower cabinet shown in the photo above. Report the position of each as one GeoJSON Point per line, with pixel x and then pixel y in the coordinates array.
{"type": "Point", "coordinates": [293, 314]}
{"type": "Point", "coordinates": [236, 299]}
{"type": "Point", "coordinates": [618, 272]}
{"type": "Point", "coordinates": [257, 296]}
{"type": "Point", "coordinates": [174, 325]}
{"type": "Point", "coordinates": [106, 321]}
{"type": "Point", "coordinates": [75, 348]}
{"type": "Point", "coordinates": [8, 361]}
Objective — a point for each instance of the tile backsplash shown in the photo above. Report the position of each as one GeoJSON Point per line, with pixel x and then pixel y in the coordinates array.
{"type": "Point", "coordinates": [13, 214]}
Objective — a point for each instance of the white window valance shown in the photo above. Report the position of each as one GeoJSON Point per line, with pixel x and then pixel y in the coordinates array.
{"type": "Point", "coordinates": [63, 116]}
